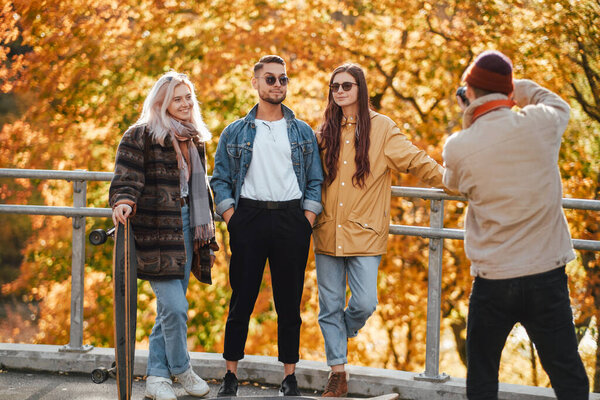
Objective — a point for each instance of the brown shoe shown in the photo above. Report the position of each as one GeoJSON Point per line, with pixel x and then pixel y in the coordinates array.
{"type": "Point", "coordinates": [337, 385]}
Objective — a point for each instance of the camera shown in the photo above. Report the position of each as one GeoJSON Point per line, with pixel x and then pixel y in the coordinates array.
{"type": "Point", "coordinates": [462, 93]}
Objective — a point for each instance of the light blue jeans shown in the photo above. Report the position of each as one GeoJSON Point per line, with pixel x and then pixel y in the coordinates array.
{"type": "Point", "coordinates": [338, 324]}
{"type": "Point", "coordinates": [168, 353]}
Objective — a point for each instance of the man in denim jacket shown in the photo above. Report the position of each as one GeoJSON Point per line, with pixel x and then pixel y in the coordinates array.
{"type": "Point", "coordinates": [267, 185]}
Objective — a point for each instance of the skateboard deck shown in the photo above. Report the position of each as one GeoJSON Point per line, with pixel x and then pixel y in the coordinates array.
{"type": "Point", "coordinates": [125, 307]}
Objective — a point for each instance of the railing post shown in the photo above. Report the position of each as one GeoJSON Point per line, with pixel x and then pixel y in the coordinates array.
{"type": "Point", "coordinates": [434, 298]}
{"type": "Point", "coordinates": [77, 267]}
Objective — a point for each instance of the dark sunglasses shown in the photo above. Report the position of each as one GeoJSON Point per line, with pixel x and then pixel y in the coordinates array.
{"type": "Point", "coordinates": [346, 86]}
{"type": "Point", "coordinates": [270, 80]}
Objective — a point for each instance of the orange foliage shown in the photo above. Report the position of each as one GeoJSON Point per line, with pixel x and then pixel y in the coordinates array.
{"type": "Point", "coordinates": [82, 69]}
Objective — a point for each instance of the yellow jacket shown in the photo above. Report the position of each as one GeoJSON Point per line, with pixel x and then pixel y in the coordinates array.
{"type": "Point", "coordinates": [355, 221]}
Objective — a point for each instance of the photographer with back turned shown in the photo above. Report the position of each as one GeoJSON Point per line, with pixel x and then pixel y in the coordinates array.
{"type": "Point", "coordinates": [516, 234]}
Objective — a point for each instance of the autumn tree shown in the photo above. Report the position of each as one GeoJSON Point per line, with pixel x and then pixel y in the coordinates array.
{"type": "Point", "coordinates": [80, 72]}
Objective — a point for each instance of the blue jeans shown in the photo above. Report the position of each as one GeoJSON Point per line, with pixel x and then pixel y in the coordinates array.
{"type": "Point", "coordinates": [337, 324]}
{"type": "Point", "coordinates": [168, 353]}
{"type": "Point", "coordinates": [541, 304]}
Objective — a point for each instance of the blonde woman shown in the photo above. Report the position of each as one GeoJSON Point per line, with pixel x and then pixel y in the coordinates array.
{"type": "Point", "coordinates": [160, 183]}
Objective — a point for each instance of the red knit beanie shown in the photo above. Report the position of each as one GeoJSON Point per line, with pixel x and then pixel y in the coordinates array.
{"type": "Point", "coordinates": [491, 71]}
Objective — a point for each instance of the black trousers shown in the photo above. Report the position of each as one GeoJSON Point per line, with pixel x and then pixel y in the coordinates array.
{"type": "Point", "coordinates": [541, 304]}
{"type": "Point", "coordinates": [281, 236]}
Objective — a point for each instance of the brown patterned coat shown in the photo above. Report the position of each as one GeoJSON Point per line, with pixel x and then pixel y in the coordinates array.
{"type": "Point", "coordinates": [147, 178]}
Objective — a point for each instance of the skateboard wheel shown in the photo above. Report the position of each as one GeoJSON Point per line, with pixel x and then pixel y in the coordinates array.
{"type": "Point", "coordinates": [99, 375]}
{"type": "Point", "coordinates": [97, 237]}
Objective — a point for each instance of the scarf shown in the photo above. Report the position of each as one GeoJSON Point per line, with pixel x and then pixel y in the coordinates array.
{"type": "Point", "coordinates": [491, 106]}
{"type": "Point", "coordinates": [192, 171]}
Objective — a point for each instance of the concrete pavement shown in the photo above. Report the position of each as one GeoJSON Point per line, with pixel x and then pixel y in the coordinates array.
{"type": "Point", "coordinates": [19, 385]}
{"type": "Point", "coordinates": [265, 371]}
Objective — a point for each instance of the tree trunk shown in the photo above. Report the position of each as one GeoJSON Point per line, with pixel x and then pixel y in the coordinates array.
{"type": "Point", "coordinates": [409, 345]}
{"type": "Point", "coordinates": [458, 326]}
{"type": "Point", "coordinates": [393, 354]}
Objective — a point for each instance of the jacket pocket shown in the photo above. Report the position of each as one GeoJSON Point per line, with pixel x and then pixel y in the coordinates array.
{"type": "Point", "coordinates": [324, 235]}
{"type": "Point", "coordinates": [301, 150]}
{"type": "Point", "coordinates": [368, 224]}
{"type": "Point", "coordinates": [231, 219]}
{"type": "Point", "coordinates": [306, 146]}
{"type": "Point", "coordinates": [234, 151]}
{"type": "Point", "coordinates": [320, 222]}
{"type": "Point", "coordinates": [148, 264]}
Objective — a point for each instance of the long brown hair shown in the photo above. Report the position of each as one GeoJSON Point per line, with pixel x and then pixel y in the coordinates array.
{"type": "Point", "coordinates": [331, 130]}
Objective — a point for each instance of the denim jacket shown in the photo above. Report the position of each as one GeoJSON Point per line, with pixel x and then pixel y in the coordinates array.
{"type": "Point", "coordinates": [234, 154]}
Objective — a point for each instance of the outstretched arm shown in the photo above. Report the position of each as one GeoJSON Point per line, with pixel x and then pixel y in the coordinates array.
{"type": "Point", "coordinates": [403, 156]}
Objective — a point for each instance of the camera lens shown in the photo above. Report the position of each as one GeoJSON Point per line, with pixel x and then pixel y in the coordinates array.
{"type": "Point", "coordinates": [462, 93]}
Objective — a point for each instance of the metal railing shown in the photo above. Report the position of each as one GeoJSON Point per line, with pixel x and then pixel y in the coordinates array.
{"type": "Point", "coordinates": [78, 212]}
{"type": "Point", "coordinates": [435, 232]}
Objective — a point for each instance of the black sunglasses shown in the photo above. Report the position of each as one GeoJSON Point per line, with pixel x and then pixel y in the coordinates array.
{"type": "Point", "coordinates": [346, 86]}
{"type": "Point", "coordinates": [270, 80]}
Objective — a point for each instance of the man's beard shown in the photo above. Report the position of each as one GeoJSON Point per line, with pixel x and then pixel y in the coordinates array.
{"type": "Point", "coordinates": [276, 101]}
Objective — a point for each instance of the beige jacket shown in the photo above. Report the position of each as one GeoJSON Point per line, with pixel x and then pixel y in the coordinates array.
{"type": "Point", "coordinates": [505, 163]}
{"type": "Point", "coordinates": [355, 221]}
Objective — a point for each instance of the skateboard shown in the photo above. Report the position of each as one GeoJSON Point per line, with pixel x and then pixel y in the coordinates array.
{"type": "Point", "coordinates": [124, 307]}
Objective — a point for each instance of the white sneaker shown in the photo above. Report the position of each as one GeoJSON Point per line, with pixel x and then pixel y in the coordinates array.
{"type": "Point", "coordinates": [192, 383]}
{"type": "Point", "coordinates": [159, 388]}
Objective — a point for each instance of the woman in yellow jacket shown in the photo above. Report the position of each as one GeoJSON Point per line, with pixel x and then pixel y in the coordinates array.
{"type": "Point", "coordinates": [359, 149]}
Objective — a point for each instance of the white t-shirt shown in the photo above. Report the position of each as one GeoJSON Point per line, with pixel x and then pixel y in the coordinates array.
{"type": "Point", "coordinates": [271, 176]}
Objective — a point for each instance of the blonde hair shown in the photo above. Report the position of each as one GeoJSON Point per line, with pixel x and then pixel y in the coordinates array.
{"type": "Point", "coordinates": [155, 115]}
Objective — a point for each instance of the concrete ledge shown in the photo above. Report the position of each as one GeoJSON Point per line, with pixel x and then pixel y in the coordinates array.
{"type": "Point", "coordinates": [311, 374]}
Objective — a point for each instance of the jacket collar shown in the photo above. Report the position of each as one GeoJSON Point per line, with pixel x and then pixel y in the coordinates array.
{"type": "Point", "coordinates": [288, 114]}
{"type": "Point", "coordinates": [468, 114]}
{"type": "Point", "coordinates": [372, 114]}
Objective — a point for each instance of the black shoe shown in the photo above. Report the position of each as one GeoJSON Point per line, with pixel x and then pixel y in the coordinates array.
{"type": "Point", "coordinates": [229, 387]}
{"type": "Point", "coordinates": [289, 386]}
